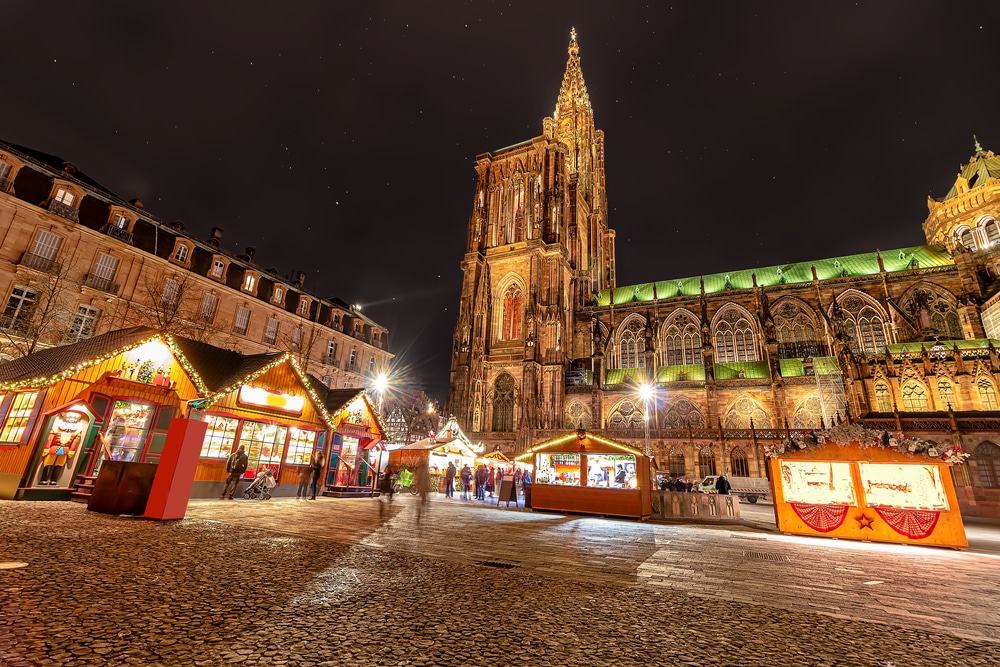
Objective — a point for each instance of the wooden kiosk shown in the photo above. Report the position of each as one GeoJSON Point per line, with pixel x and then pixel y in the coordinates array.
{"type": "Point", "coordinates": [857, 484]}
{"type": "Point", "coordinates": [587, 473]}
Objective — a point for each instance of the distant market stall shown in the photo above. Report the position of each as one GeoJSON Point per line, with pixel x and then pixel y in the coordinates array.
{"type": "Point", "coordinates": [588, 473]}
{"type": "Point", "coordinates": [849, 482]}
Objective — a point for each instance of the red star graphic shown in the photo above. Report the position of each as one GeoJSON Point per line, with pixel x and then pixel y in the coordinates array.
{"type": "Point", "coordinates": [864, 521]}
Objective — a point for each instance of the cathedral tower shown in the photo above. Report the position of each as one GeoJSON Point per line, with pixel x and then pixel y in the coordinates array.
{"type": "Point", "coordinates": [539, 246]}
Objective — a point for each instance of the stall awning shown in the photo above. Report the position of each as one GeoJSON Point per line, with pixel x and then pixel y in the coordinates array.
{"type": "Point", "coordinates": [372, 443]}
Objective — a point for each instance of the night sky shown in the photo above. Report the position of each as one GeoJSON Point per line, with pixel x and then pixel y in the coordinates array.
{"type": "Point", "coordinates": [339, 138]}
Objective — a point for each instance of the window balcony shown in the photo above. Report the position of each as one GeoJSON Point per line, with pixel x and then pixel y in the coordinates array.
{"type": "Point", "coordinates": [352, 368]}
{"type": "Point", "coordinates": [39, 262]}
{"type": "Point", "coordinates": [100, 283]}
{"type": "Point", "coordinates": [330, 361]}
{"type": "Point", "coordinates": [123, 235]}
{"type": "Point", "coordinates": [64, 211]}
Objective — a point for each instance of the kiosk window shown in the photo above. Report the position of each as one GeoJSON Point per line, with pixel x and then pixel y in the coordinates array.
{"type": "Point", "coordinates": [558, 468]}
{"type": "Point", "coordinates": [263, 443]}
{"type": "Point", "coordinates": [219, 437]}
{"type": "Point", "coordinates": [17, 418]}
{"type": "Point", "coordinates": [300, 446]}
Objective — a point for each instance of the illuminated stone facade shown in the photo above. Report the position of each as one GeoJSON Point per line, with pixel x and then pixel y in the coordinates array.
{"type": "Point", "coordinates": [77, 261]}
{"type": "Point", "coordinates": [546, 339]}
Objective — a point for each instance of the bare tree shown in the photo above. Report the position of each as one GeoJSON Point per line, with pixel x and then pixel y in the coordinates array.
{"type": "Point", "coordinates": [176, 304]}
{"type": "Point", "coordinates": [414, 407]}
{"type": "Point", "coordinates": [42, 311]}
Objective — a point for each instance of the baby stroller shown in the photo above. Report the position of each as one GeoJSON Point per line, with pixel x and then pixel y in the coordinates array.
{"type": "Point", "coordinates": [261, 486]}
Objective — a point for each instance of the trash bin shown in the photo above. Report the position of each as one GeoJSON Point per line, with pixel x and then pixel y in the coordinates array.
{"type": "Point", "coordinates": [122, 488]}
{"type": "Point", "coordinates": [527, 495]}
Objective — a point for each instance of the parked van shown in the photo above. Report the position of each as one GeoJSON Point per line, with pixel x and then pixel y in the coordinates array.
{"type": "Point", "coordinates": [750, 488]}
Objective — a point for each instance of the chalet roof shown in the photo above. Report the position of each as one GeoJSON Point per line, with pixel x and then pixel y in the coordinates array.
{"type": "Point", "coordinates": [220, 369]}
{"type": "Point", "coordinates": [902, 259]}
{"type": "Point", "coordinates": [56, 163]}
{"type": "Point", "coordinates": [39, 367]}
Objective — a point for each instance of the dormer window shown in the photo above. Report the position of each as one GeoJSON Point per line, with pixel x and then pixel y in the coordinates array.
{"type": "Point", "coordinates": [303, 305]}
{"type": "Point", "coordinates": [182, 252]}
{"type": "Point", "coordinates": [219, 266]}
{"type": "Point", "coordinates": [278, 297]}
{"type": "Point", "coordinates": [250, 280]}
{"type": "Point", "coordinates": [5, 169]}
{"type": "Point", "coordinates": [64, 196]}
{"type": "Point", "coordinates": [120, 221]}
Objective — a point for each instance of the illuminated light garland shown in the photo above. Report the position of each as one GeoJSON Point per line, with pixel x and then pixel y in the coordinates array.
{"type": "Point", "coordinates": [530, 452]}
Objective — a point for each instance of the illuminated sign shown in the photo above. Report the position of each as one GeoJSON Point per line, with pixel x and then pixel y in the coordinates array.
{"type": "Point", "coordinates": [272, 400]}
{"type": "Point", "coordinates": [817, 482]}
{"type": "Point", "coordinates": [903, 486]}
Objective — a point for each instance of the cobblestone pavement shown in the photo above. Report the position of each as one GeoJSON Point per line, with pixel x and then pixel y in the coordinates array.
{"type": "Point", "coordinates": [363, 582]}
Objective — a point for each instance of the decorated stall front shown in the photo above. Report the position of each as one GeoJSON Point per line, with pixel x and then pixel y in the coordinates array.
{"type": "Point", "coordinates": [66, 410]}
{"type": "Point", "coordinates": [435, 453]}
{"type": "Point", "coordinates": [849, 482]}
{"type": "Point", "coordinates": [356, 445]}
{"type": "Point", "coordinates": [263, 402]}
{"type": "Point", "coordinates": [588, 473]}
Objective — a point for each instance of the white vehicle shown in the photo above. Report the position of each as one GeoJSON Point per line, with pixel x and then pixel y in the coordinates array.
{"type": "Point", "coordinates": [749, 488]}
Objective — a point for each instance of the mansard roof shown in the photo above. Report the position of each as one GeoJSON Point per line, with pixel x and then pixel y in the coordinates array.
{"type": "Point", "coordinates": [982, 166]}
{"type": "Point", "coordinates": [865, 264]}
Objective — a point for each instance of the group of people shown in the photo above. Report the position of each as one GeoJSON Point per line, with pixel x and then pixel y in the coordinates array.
{"type": "Point", "coordinates": [676, 484]}
{"type": "Point", "coordinates": [236, 465]}
{"type": "Point", "coordinates": [476, 484]}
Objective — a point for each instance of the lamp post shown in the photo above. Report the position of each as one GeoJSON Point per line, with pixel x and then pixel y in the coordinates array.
{"type": "Point", "coordinates": [646, 392]}
{"type": "Point", "coordinates": [381, 384]}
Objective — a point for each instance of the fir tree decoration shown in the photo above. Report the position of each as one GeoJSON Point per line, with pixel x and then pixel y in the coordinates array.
{"type": "Point", "coordinates": [146, 372]}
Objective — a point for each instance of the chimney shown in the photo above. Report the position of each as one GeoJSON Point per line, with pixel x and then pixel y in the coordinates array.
{"type": "Point", "coordinates": [250, 251]}
{"type": "Point", "coordinates": [69, 168]}
{"type": "Point", "coordinates": [137, 203]}
{"type": "Point", "coordinates": [178, 225]}
{"type": "Point", "coordinates": [300, 278]}
{"type": "Point", "coordinates": [215, 238]}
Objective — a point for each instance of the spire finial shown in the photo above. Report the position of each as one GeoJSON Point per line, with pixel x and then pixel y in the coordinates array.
{"type": "Point", "coordinates": [574, 48]}
{"type": "Point", "coordinates": [979, 149]}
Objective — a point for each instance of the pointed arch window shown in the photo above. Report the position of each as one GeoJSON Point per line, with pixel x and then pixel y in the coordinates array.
{"type": "Point", "coordinates": [796, 333]}
{"type": "Point", "coordinates": [947, 394]}
{"type": "Point", "coordinates": [987, 394]}
{"type": "Point", "coordinates": [739, 462]}
{"type": "Point", "coordinates": [504, 390]}
{"type": "Point", "coordinates": [676, 463]}
{"type": "Point", "coordinates": [734, 339]}
{"type": "Point", "coordinates": [988, 464]}
{"type": "Point", "coordinates": [513, 309]}
{"type": "Point", "coordinates": [882, 397]}
{"type": "Point", "coordinates": [627, 416]}
{"type": "Point", "coordinates": [682, 343]}
{"type": "Point", "coordinates": [864, 326]}
{"type": "Point", "coordinates": [632, 345]}
{"type": "Point", "coordinates": [914, 397]}
{"type": "Point", "coordinates": [706, 462]}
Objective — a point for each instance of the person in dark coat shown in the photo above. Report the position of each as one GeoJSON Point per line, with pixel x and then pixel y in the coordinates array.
{"type": "Point", "coordinates": [449, 480]}
{"type": "Point", "coordinates": [722, 486]}
{"type": "Point", "coordinates": [466, 482]}
{"type": "Point", "coordinates": [315, 471]}
{"type": "Point", "coordinates": [236, 465]}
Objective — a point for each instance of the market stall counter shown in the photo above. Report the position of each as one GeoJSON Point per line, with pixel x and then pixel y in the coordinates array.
{"type": "Point", "coordinates": [587, 473]}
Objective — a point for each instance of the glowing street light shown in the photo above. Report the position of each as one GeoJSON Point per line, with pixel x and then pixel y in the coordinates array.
{"type": "Point", "coordinates": [381, 384]}
{"type": "Point", "coordinates": [646, 392]}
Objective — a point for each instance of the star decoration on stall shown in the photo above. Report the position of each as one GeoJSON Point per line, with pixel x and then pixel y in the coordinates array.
{"type": "Point", "coordinates": [865, 521]}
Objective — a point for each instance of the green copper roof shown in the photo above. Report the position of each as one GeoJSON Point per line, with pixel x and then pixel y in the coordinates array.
{"type": "Point", "coordinates": [983, 165]}
{"type": "Point", "coordinates": [865, 264]}
{"type": "Point", "coordinates": [692, 373]}
{"type": "Point", "coordinates": [972, 344]}
{"type": "Point", "coordinates": [618, 375]}
{"type": "Point", "coordinates": [751, 369]}
{"type": "Point", "coordinates": [791, 368]}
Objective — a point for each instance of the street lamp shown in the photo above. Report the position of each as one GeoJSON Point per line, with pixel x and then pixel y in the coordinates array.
{"type": "Point", "coordinates": [381, 384]}
{"type": "Point", "coordinates": [646, 392]}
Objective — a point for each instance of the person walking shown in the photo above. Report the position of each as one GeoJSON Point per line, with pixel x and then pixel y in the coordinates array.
{"type": "Point", "coordinates": [491, 481]}
{"type": "Point", "coordinates": [481, 476]}
{"type": "Point", "coordinates": [236, 465]}
{"type": "Point", "coordinates": [449, 480]}
{"type": "Point", "coordinates": [386, 492]}
{"type": "Point", "coordinates": [466, 482]}
{"type": "Point", "coordinates": [423, 482]}
{"type": "Point", "coordinates": [305, 475]}
{"type": "Point", "coordinates": [315, 471]}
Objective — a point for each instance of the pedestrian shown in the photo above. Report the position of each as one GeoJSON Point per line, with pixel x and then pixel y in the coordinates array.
{"type": "Point", "coordinates": [517, 480]}
{"type": "Point", "coordinates": [316, 471]}
{"type": "Point", "coordinates": [466, 481]}
{"type": "Point", "coordinates": [491, 481]}
{"type": "Point", "coordinates": [449, 480]}
{"type": "Point", "coordinates": [481, 476]}
{"type": "Point", "coordinates": [236, 465]}
{"type": "Point", "coordinates": [386, 491]}
{"type": "Point", "coordinates": [722, 486]}
{"type": "Point", "coordinates": [690, 485]}
{"type": "Point", "coordinates": [526, 486]}
{"type": "Point", "coordinates": [423, 488]}
{"type": "Point", "coordinates": [305, 476]}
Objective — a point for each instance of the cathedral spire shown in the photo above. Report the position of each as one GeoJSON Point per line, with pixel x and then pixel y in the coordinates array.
{"type": "Point", "coordinates": [573, 93]}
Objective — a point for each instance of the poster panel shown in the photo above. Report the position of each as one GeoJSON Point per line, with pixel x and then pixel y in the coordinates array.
{"type": "Point", "coordinates": [903, 486]}
{"type": "Point", "coordinates": [817, 482]}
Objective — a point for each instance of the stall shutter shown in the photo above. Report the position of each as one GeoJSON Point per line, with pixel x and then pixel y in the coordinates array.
{"type": "Point", "coordinates": [100, 404]}
{"type": "Point", "coordinates": [331, 465]}
{"type": "Point", "coordinates": [158, 434]}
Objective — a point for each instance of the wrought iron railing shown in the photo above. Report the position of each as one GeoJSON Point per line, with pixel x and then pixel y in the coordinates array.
{"type": "Point", "coordinates": [39, 262]}
{"type": "Point", "coordinates": [100, 283]}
